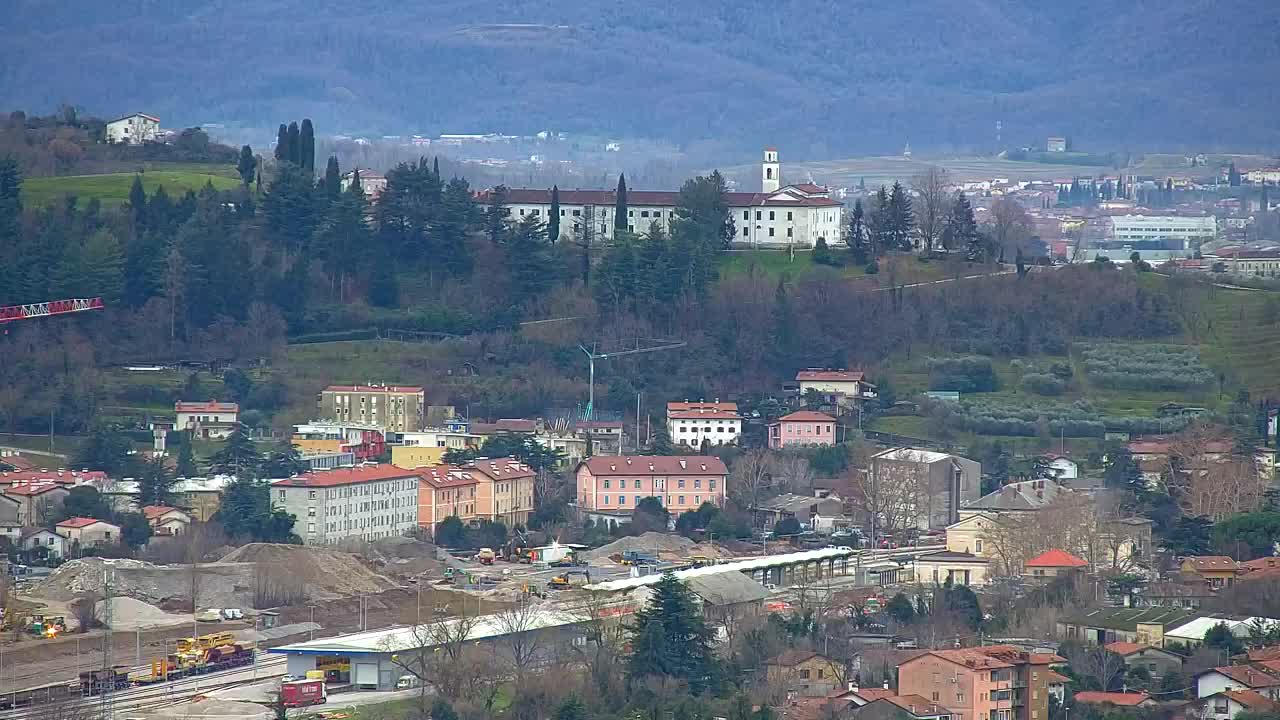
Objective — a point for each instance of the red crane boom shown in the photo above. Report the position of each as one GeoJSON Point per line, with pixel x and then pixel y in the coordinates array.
{"type": "Point", "coordinates": [9, 313]}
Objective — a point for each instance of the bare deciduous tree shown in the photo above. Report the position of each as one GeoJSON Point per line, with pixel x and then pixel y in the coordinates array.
{"type": "Point", "coordinates": [752, 477]}
{"type": "Point", "coordinates": [1010, 225]}
{"type": "Point", "coordinates": [439, 652]}
{"type": "Point", "coordinates": [932, 204]}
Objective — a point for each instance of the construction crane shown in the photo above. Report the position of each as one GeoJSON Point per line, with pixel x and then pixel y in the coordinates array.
{"type": "Point", "coordinates": [642, 345]}
{"type": "Point", "coordinates": [10, 313]}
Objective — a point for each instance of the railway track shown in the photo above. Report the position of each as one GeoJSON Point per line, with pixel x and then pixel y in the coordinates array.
{"type": "Point", "coordinates": [160, 695]}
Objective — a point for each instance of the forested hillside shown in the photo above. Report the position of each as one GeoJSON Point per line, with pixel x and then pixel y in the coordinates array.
{"type": "Point", "coordinates": [831, 77]}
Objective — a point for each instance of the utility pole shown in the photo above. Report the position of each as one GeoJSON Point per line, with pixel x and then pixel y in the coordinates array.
{"type": "Point", "coordinates": [107, 690]}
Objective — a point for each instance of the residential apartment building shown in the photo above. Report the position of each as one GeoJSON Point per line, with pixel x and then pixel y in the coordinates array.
{"type": "Point", "coordinates": [37, 502]}
{"type": "Point", "coordinates": [133, 129]}
{"type": "Point", "coordinates": [366, 502]}
{"type": "Point", "coordinates": [88, 532]}
{"type": "Point", "coordinates": [1258, 263]}
{"type": "Point", "coordinates": [802, 428]}
{"type": "Point", "coordinates": [935, 485]}
{"type": "Point", "coordinates": [391, 408]}
{"type": "Point", "coordinates": [445, 491]}
{"type": "Point", "coordinates": [990, 682]}
{"type": "Point", "coordinates": [615, 484]}
{"type": "Point", "coordinates": [211, 420]}
{"type": "Point", "coordinates": [365, 442]}
{"type": "Point", "coordinates": [778, 216]}
{"type": "Point", "coordinates": [1187, 232]}
{"type": "Point", "coordinates": [692, 423]}
{"type": "Point", "coordinates": [842, 386]}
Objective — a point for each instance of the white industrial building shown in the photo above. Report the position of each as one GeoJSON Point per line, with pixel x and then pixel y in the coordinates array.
{"type": "Point", "coordinates": [1191, 231]}
{"type": "Point", "coordinates": [367, 502]}
{"type": "Point", "coordinates": [778, 216]}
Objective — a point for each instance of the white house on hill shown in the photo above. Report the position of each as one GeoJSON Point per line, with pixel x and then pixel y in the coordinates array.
{"type": "Point", "coordinates": [133, 129]}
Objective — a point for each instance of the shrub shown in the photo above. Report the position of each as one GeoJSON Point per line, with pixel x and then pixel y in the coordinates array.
{"type": "Point", "coordinates": [968, 374]}
{"type": "Point", "coordinates": [1077, 419]}
{"type": "Point", "coordinates": [872, 268]}
{"type": "Point", "coordinates": [1062, 371]}
{"type": "Point", "coordinates": [1146, 366]}
{"type": "Point", "coordinates": [1042, 384]}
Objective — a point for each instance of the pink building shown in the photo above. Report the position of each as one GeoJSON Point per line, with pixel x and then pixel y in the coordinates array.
{"type": "Point", "coordinates": [802, 428]}
{"type": "Point", "coordinates": [614, 484]}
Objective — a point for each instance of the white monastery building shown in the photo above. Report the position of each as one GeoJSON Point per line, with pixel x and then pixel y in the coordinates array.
{"type": "Point", "coordinates": [778, 216]}
{"type": "Point", "coordinates": [689, 423]}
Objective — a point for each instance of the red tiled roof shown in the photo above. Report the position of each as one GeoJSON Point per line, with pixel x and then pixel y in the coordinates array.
{"type": "Point", "coordinates": [347, 476]}
{"type": "Point", "coordinates": [806, 416]}
{"type": "Point", "coordinates": [64, 477]}
{"type": "Point", "coordinates": [971, 658]}
{"type": "Point", "coordinates": [1054, 678]}
{"type": "Point", "coordinates": [374, 388]}
{"type": "Point", "coordinates": [1263, 653]}
{"type": "Point", "coordinates": [1200, 563]}
{"type": "Point", "coordinates": [1125, 648]}
{"type": "Point", "coordinates": [702, 415]}
{"type": "Point", "coordinates": [499, 468]}
{"type": "Point", "coordinates": [211, 406]}
{"type": "Point", "coordinates": [1264, 563]}
{"type": "Point", "coordinates": [18, 462]}
{"type": "Point", "coordinates": [830, 375]}
{"type": "Point", "coordinates": [1251, 699]}
{"type": "Point", "coordinates": [445, 476]}
{"type": "Point", "coordinates": [916, 704]}
{"type": "Point", "coordinates": [791, 658]}
{"type": "Point", "coordinates": [81, 522]}
{"type": "Point", "coordinates": [601, 465]}
{"type": "Point", "coordinates": [647, 198]}
{"type": "Point", "coordinates": [1148, 447]}
{"type": "Point", "coordinates": [1122, 699]}
{"type": "Point", "coordinates": [1252, 676]}
{"type": "Point", "coordinates": [1056, 559]}
{"type": "Point", "coordinates": [872, 693]}
{"type": "Point", "coordinates": [720, 406]}
{"type": "Point", "coordinates": [155, 512]}
{"type": "Point", "coordinates": [30, 489]}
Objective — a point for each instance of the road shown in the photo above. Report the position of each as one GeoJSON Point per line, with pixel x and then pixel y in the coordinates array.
{"type": "Point", "coordinates": [151, 697]}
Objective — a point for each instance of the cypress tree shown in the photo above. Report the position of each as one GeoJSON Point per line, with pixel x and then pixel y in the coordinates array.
{"type": "Point", "coordinates": [857, 238]}
{"type": "Point", "coordinates": [496, 215]}
{"type": "Point", "coordinates": [553, 222]}
{"type": "Point", "coordinates": [307, 146]}
{"type": "Point", "coordinates": [332, 179]}
{"type": "Point", "coordinates": [138, 205]}
{"type": "Point", "coordinates": [900, 218]}
{"type": "Point", "coordinates": [282, 143]}
{"type": "Point", "coordinates": [620, 205]}
{"type": "Point", "coordinates": [435, 167]}
{"type": "Point", "coordinates": [294, 146]}
{"type": "Point", "coordinates": [186, 459]}
{"type": "Point", "coordinates": [247, 166]}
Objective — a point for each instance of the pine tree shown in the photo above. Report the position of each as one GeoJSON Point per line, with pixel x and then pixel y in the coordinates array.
{"type": "Point", "coordinates": [332, 179]}
{"type": "Point", "coordinates": [961, 231]}
{"type": "Point", "coordinates": [238, 456]}
{"type": "Point", "coordinates": [553, 221]}
{"type": "Point", "coordinates": [856, 238]}
{"type": "Point", "coordinates": [343, 235]}
{"type": "Point", "coordinates": [901, 218]}
{"type": "Point", "coordinates": [138, 205]}
{"type": "Point", "coordinates": [616, 278]}
{"type": "Point", "coordinates": [284, 461]}
{"type": "Point", "coordinates": [102, 262]}
{"type": "Point", "coordinates": [155, 483]}
{"type": "Point", "coordinates": [620, 205]}
{"type": "Point", "coordinates": [497, 215]}
{"type": "Point", "coordinates": [532, 267]}
{"type": "Point", "coordinates": [878, 223]}
{"type": "Point", "coordinates": [186, 458]}
{"type": "Point", "coordinates": [307, 147]}
{"type": "Point", "coordinates": [290, 209]}
{"type": "Point", "coordinates": [247, 166]}
{"type": "Point", "coordinates": [294, 146]}
{"type": "Point", "coordinates": [821, 253]}
{"type": "Point", "coordinates": [10, 208]}
{"type": "Point", "coordinates": [457, 217]}
{"type": "Point", "coordinates": [670, 637]}
{"type": "Point", "coordinates": [282, 144]}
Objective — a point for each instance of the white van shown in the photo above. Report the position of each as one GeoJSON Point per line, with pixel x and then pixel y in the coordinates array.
{"type": "Point", "coordinates": [408, 682]}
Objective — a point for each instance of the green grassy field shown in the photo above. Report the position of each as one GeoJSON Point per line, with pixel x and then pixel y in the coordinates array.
{"type": "Point", "coordinates": [62, 444]}
{"type": "Point", "coordinates": [112, 189]}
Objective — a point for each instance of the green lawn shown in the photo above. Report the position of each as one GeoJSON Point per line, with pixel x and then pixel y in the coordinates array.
{"type": "Point", "coordinates": [62, 444]}
{"type": "Point", "coordinates": [112, 189]}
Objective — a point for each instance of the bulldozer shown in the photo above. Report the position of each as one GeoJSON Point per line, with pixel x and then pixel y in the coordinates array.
{"type": "Point", "coordinates": [47, 626]}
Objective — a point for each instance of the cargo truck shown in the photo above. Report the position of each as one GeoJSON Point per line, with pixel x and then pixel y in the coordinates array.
{"type": "Point", "coordinates": [301, 693]}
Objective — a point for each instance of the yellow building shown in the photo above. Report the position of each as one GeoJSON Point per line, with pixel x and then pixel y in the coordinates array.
{"type": "Point", "coordinates": [416, 456]}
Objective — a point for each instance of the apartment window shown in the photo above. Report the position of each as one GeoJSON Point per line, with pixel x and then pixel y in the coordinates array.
{"type": "Point", "coordinates": [789, 230]}
{"type": "Point", "coordinates": [711, 484]}
{"type": "Point", "coordinates": [770, 214]}
{"type": "Point", "coordinates": [622, 499]}
{"type": "Point", "coordinates": [744, 231]}
{"type": "Point", "coordinates": [746, 214]}
{"type": "Point", "coordinates": [820, 673]}
{"type": "Point", "coordinates": [788, 215]}
{"type": "Point", "coordinates": [644, 213]}
{"type": "Point", "coordinates": [770, 232]}
{"type": "Point", "coordinates": [606, 499]}
{"type": "Point", "coordinates": [577, 213]}
{"type": "Point", "coordinates": [606, 485]}
{"type": "Point", "coordinates": [680, 483]}
{"type": "Point", "coordinates": [959, 696]}
{"type": "Point", "coordinates": [697, 483]}
{"type": "Point", "coordinates": [281, 496]}
{"type": "Point", "coordinates": [631, 213]}
{"type": "Point", "coordinates": [637, 484]}
{"type": "Point", "coordinates": [561, 213]}
{"type": "Point", "coordinates": [311, 494]}
{"type": "Point", "coordinates": [758, 215]}
{"type": "Point", "coordinates": [311, 512]}
{"type": "Point", "coordinates": [681, 499]}
{"type": "Point", "coordinates": [804, 674]}
{"type": "Point", "coordinates": [935, 696]}
{"type": "Point", "coordinates": [977, 546]}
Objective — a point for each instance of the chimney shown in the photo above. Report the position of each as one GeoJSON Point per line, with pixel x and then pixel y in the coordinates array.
{"type": "Point", "coordinates": [886, 683]}
{"type": "Point", "coordinates": [853, 686]}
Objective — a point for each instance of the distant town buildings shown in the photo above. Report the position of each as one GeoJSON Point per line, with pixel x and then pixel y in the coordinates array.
{"type": "Point", "coordinates": [1190, 232]}
{"type": "Point", "coordinates": [372, 183]}
{"type": "Point", "coordinates": [1056, 144]}
{"type": "Point", "coordinates": [367, 502]}
{"type": "Point", "coordinates": [133, 129]}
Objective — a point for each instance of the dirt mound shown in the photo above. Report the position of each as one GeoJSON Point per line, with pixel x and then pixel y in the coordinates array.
{"type": "Point", "coordinates": [402, 556]}
{"type": "Point", "coordinates": [132, 614]}
{"type": "Point", "coordinates": [650, 542]}
{"type": "Point", "coordinates": [323, 572]}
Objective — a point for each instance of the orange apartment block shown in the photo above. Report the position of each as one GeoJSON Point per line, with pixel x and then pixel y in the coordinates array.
{"type": "Point", "coordinates": [992, 682]}
{"type": "Point", "coordinates": [499, 489]}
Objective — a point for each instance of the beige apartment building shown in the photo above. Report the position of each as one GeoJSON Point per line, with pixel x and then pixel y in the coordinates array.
{"type": "Point", "coordinates": [391, 408]}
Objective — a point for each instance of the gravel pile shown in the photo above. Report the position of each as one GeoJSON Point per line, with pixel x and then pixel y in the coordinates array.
{"type": "Point", "coordinates": [132, 614]}
{"type": "Point", "coordinates": [215, 708]}
{"type": "Point", "coordinates": [322, 572]}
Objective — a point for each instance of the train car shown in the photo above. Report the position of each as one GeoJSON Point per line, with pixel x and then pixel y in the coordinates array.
{"type": "Point", "coordinates": [96, 682]}
{"type": "Point", "coordinates": [44, 695]}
